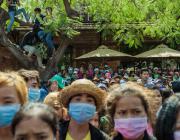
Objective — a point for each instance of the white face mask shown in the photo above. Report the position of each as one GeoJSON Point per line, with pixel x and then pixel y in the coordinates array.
{"type": "Point", "coordinates": [177, 135]}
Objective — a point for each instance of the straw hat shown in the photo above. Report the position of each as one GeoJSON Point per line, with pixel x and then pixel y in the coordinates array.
{"type": "Point", "coordinates": [52, 99]}
{"type": "Point", "coordinates": [28, 73]}
{"type": "Point", "coordinates": [83, 86]}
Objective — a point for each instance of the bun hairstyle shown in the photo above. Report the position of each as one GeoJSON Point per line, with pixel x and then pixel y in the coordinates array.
{"type": "Point", "coordinates": [38, 110]}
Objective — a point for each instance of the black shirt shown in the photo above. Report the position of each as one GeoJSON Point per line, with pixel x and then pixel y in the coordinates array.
{"type": "Point", "coordinates": [37, 25]}
{"type": "Point", "coordinates": [96, 134]}
{"type": "Point", "coordinates": [12, 6]}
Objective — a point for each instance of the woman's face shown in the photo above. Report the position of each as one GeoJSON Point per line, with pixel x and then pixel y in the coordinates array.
{"type": "Point", "coordinates": [129, 107]}
{"type": "Point", "coordinates": [8, 95]}
{"type": "Point", "coordinates": [177, 127]}
{"type": "Point", "coordinates": [32, 82]}
{"type": "Point", "coordinates": [33, 129]}
{"type": "Point", "coordinates": [54, 86]}
{"type": "Point", "coordinates": [83, 98]}
{"type": "Point", "coordinates": [58, 109]}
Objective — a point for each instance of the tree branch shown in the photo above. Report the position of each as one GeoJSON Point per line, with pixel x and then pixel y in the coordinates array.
{"type": "Point", "coordinates": [4, 41]}
{"type": "Point", "coordinates": [52, 64]}
{"type": "Point", "coordinates": [70, 12]}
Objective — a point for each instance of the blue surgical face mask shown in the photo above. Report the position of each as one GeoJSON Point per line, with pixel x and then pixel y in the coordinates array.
{"type": "Point", "coordinates": [177, 135]}
{"type": "Point", "coordinates": [7, 113]}
{"type": "Point", "coordinates": [81, 112]}
{"type": "Point", "coordinates": [33, 95]}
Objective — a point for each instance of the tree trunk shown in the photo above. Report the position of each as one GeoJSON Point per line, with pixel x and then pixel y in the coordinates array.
{"type": "Point", "coordinates": [52, 64]}
{"type": "Point", "coordinates": [70, 12]}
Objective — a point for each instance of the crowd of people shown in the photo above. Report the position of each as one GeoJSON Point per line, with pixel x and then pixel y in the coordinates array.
{"type": "Point", "coordinates": [88, 103]}
{"type": "Point", "coordinates": [96, 103]}
{"type": "Point", "coordinates": [104, 75]}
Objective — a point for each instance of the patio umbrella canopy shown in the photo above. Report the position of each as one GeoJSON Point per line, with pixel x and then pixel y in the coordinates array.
{"type": "Point", "coordinates": [161, 51]}
{"type": "Point", "coordinates": [103, 52]}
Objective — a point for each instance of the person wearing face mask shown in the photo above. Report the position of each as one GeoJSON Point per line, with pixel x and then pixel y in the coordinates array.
{"type": "Point", "coordinates": [13, 94]}
{"type": "Point", "coordinates": [129, 111]}
{"type": "Point", "coordinates": [82, 98]}
{"type": "Point", "coordinates": [57, 83]}
{"type": "Point", "coordinates": [35, 121]}
{"type": "Point", "coordinates": [35, 93]}
{"type": "Point", "coordinates": [146, 80]}
{"type": "Point", "coordinates": [168, 122]}
{"type": "Point", "coordinates": [52, 99]}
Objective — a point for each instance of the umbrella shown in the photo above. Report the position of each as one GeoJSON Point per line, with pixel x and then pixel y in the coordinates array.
{"type": "Point", "coordinates": [161, 51]}
{"type": "Point", "coordinates": [103, 52]}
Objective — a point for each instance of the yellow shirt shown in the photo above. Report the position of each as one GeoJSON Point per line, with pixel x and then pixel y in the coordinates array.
{"type": "Point", "coordinates": [87, 137]}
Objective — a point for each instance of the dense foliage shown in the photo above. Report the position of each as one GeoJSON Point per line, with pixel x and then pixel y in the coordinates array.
{"type": "Point", "coordinates": [61, 23]}
{"type": "Point", "coordinates": [128, 21]}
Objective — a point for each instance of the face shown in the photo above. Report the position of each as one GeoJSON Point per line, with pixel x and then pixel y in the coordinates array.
{"type": "Point", "coordinates": [75, 75]}
{"type": "Point", "coordinates": [90, 66]}
{"type": "Point", "coordinates": [157, 98]}
{"type": "Point", "coordinates": [32, 82]}
{"type": "Point", "coordinates": [95, 120]}
{"type": "Point", "coordinates": [58, 108]}
{"type": "Point", "coordinates": [27, 130]}
{"type": "Point", "coordinates": [83, 98]}
{"type": "Point", "coordinates": [81, 69]}
{"type": "Point", "coordinates": [70, 71]}
{"type": "Point", "coordinates": [54, 86]}
{"type": "Point", "coordinates": [48, 10]}
{"type": "Point", "coordinates": [119, 70]}
{"type": "Point", "coordinates": [177, 126]}
{"type": "Point", "coordinates": [171, 73]}
{"type": "Point", "coordinates": [156, 71]}
{"type": "Point", "coordinates": [129, 107]}
{"type": "Point", "coordinates": [145, 75]}
{"type": "Point", "coordinates": [176, 73]}
{"type": "Point", "coordinates": [117, 80]}
{"type": "Point", "coordinates": [97, 72]}
{"type": "Point", "coordinates": [108, 75]}
{"type": "Point", "coordinates": [8, 95]}
{"type": "Point", "coordinates": [36, 12]}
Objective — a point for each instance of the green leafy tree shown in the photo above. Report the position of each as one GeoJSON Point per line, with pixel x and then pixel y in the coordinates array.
{"type": "Point", "coordinates": [127, 21]}
{"type": "Point", "coordinates": [62, 24]}
{"type": "Point", "coordinates": [131, 21]}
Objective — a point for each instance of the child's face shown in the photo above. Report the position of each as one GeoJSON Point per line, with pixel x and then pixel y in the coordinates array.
{"type": "Point", "coordinates": [36, 12]}
{"type": "Point", "coordinates": [54, 86]}
{"type": "Point", "coordinates": [48, 10]}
